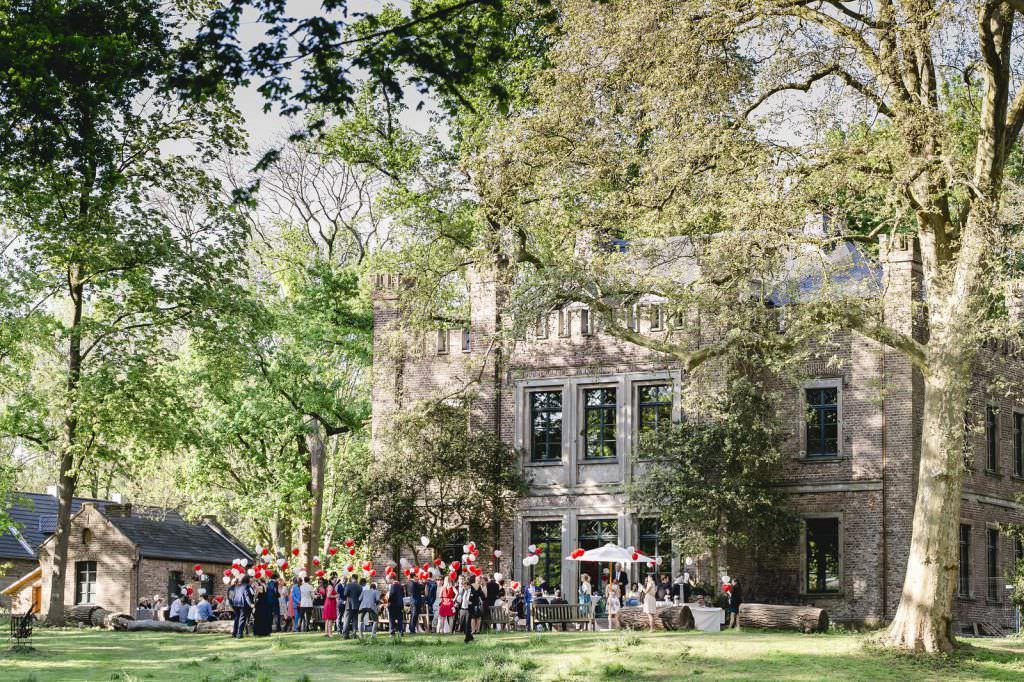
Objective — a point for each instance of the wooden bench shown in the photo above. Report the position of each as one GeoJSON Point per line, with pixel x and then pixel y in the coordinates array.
{"type": "Point", "coordinates": [554, 614]}
{"type": "Point", "coordinates": [498, 617]}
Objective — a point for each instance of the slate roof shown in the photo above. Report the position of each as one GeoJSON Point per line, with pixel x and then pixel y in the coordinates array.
{"type": "Point", "coordinates": [174, 539]}
{"type": "Point", "coordinates": [35, 517]}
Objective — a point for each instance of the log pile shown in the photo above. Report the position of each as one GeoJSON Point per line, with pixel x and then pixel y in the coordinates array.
{"type": "Point", "coordinates": [666, 618]}
{"type": "Point", "coordinates": [782, 617]}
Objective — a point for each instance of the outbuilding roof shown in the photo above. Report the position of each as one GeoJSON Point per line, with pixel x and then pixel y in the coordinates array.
{"type": "Point", "coordinates": [175, 539]}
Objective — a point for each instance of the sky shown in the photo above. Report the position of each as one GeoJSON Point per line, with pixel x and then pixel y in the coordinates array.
{"type": "Point", "coordinates": [266, 126]}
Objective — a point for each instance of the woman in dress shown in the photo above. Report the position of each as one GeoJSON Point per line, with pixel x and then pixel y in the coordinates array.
{"type": "Point", "coordinates": [614, 596]}
{"type": "Point", "coordinates": [330, 606]}
{"type": "Point", "coordinates": [446, 607]}
{"type": "Point", "coordinates": [586, 596]}
{"type": "Point", "coordinates": [476, 602]}
{"type": "Point", "coordinates": [649, 596]}
{"type": "Point", "coordinates": [263, 619]}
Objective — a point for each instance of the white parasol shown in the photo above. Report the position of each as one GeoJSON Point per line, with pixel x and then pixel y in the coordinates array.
{"type": "Point", "coordinates": [611, 554]}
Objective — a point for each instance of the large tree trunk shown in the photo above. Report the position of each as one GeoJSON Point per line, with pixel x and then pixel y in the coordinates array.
{"type": "Point", "coordinates": [666, 618]}
{"type": "Point", "coordinates": [68, 470]}
{"type": "Point", "coordinates": [313, 444]}
{"type": "Point", "coordinates": [317, 467]}
{"type": "Point", "coordinates": [923, 621]}
{"type": "Point", "coordinates": [776, 616]}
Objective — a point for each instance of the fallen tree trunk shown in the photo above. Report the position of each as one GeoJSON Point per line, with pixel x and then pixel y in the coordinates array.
{"type": "Point", "coordinates": [154, 626]}
{"type": "Point", "coordinates": [225, 626]}
{"type": "Point", "coordinates": [82, 614]}
{"type": "Point", "coordinates": [667, 618]}
{"type": "Point", "coordinates": [783, 617]}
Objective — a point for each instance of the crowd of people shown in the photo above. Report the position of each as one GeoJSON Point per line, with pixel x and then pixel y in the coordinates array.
{"type": "Point", "coordinates": [356, 607]}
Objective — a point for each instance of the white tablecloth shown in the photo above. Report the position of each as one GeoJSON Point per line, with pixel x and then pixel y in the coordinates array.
{"type": "Point", "coordinates": [707, 618]}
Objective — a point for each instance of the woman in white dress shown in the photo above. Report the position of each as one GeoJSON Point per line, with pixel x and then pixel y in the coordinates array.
{"type": "Point", "coordinates": [586, 596]}
{"type": "Point", "coordinates": [650, 600]}
{"type": "Point", "coordinates": [614, 596]}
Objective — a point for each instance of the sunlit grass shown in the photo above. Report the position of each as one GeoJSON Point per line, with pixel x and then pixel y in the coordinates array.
{"type": "Point", "coordinates": [68, 655]}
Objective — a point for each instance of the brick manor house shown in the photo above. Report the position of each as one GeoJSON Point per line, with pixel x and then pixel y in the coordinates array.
{"type": "Point", "coordinates": [571, 401]}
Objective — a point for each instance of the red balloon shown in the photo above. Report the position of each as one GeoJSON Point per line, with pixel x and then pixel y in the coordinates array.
{"type": "Point", "coordinates": [321, 573]}
{"type": "Point", "coordinates": [352, 551]}
{"type": "Point", "coordinates": [455, 565]}
{"type": "Point", "coordinates": [227, 572]}
{"type": "Point", "coordinates": [332, 551]}
{"type": "Point", "coordinates": [349, 542]}
{"type": "Point", "coordinates": [265, 552]}
{"type": "Point", "coordinates": [437, 562]}
{"type": "Point", "coordinates": [197, 567]}
{"type": "Point", "coordinates": [373, 572]}
{"type": "Point", "coordinates": [539, 550]}
{"type": "Point", "coordinates": [635, 556]}
{"type": "Point", "coordinates": [284, 566]}
{"type": "Point", "coordinates": [350, 568]}
{"type": "Point", "coordinates": [407, 571]}
{"type": "Point", "coordinates": [295, 552]}
{"type": "Point", "coordinates": [726, 587]}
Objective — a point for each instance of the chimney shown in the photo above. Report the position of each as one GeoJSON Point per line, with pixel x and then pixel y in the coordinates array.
{"type": "Point", "coordinates": [121, 511]}
{"type": "Point", "coordinates": [902, 283]}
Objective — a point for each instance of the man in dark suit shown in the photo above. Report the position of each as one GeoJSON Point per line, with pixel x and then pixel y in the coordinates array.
{"type": "Point", "coordinates": [430, 600]}
{"type": "Point", "coordinates": [622, 576]}
{"type": "Point", "coordinates": [396, 607]}
{"type": "Point", "coordinates": [491, 596]}
{"type": "Point", "coordinates": [353, 591]}
{"type": "Point", "coordinates": [418, 594]}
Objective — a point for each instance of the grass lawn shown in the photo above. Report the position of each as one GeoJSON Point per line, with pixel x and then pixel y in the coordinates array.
{"type": "Point", "coordinates": [69, 654]}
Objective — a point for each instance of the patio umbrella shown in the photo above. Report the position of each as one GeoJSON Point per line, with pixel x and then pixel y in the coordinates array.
{"type": "Point", "coordinates": [612, 554]}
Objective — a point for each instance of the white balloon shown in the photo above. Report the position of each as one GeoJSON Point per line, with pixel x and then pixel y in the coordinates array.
{"type": "Point", "coordinates": [532, 548]}
{"type": "Point", "coordinates": [404, 562]}
{"type": "Point", "coordinates": [202, 591]}
{"type": "Point", "coordinates": [497, 577]}
{"type": "Point", "coordinates": [465, 549]}
{"type": "Point", "coordinates": [726, 579]}
{"type": "Point", "coordinates": [425, 541]}
{"type": "Point", "coordinates": [689, 561]}
{"type": "Point", "coordinates": [236, 572]}
{"type": "Point", "coordinates": [245, 562]}
{"type": "Point", "coordinates": [526, 560]}
{"type": "Point", "coordinates": [184, 590]}
{"type": "Point", "coordinates": [280, 562]}
{"type": "Point", "coordinates": [226, 580]}
{"type": "Point", "coordinates": [497, 554]}
{"type": "Point", "coordinates": [658, 560]}
{"type": "Point", "coordinates": [251, 572]}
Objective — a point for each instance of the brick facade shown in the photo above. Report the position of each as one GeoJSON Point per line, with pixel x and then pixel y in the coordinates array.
{"type": "Point", "coordinates": [869, 486]}
{"type": "Point", "coordinates": [124, 575]}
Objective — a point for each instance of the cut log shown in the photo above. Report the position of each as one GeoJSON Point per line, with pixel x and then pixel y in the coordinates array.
{"type": "Point", "coordinates": [106, 619]}
{"type": "Point", "coordinates": [667, 618]}
{"type": "Point", "coordinates": [216, 626]}
{"type": "Point", "coordinates": [155, 626]}
{"type": "Point", "coordinates": [783, 617]}
{"type": "Point", "coordinates": [81, 614]}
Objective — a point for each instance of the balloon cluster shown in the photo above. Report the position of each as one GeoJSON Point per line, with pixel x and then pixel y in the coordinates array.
{"type": "Point", "coordinates": [577, 553]}
{"type": "Point", "coordinates": [533, 558]}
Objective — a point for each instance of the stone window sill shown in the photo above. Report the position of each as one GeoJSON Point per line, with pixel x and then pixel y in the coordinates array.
{"type": "Point", "coordinates": [965, 597]}
{"type": "Point", "coordinates": [601, 460]}
{"type": "Point", "coordinates": [994, 473]}
{"type": "Point", "coordinates": [831, 459]}
{"type": "Point", "coordinates": [545, 464]}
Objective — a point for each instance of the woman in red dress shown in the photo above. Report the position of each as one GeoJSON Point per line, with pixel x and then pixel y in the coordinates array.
{"type": "Point", "coordinates": [446, 608]}
{"type": "Point", "coordinates": [330, 608]}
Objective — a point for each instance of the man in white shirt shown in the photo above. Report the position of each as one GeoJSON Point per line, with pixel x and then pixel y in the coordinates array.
{"type": "Point", "coordinates": [306, 602]}
{"type": "Point", "coordinates": [175, 610]}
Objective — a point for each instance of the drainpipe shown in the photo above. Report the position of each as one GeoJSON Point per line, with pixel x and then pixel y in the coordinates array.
{"type": "Point", "coordinates": [138, 583]}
